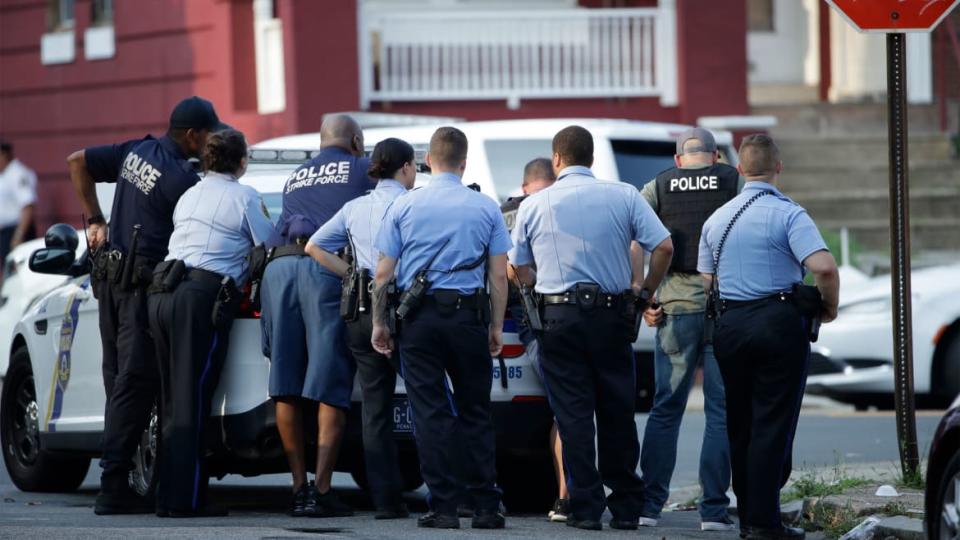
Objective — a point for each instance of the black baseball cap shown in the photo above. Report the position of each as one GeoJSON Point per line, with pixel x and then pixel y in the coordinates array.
{"type": "Point", "coordinates": [196, 113]}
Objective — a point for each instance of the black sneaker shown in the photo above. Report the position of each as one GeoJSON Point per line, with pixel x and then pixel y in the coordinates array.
{"type": "Point", "coordinates": [304, 501]}
{"type": "Point", "coordinates": [436, 520]}
{"type": "Point", "coordinates": [395, 512]}
{"type": "Point", "coordinates": [117, 498]}
{"type": "Point", "coordinates": [624, 524]}
{"type": "Point", "coordinates": [488, 519]}
{"type": "Point", "coordinates": [561, 509]}
{"type": "Point", "coordinates": [465, 511]}
{"type": "Point", "coordinates": [329, 505]}
{"type": "Point", "coordinates": [585, 524]}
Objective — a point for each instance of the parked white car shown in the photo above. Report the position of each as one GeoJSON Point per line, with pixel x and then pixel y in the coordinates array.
{"type": "Point", "coordinates": [853, 360]}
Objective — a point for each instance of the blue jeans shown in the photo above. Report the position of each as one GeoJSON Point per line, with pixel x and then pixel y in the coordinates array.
{"type": "Point", "coordinates": [679, 350]}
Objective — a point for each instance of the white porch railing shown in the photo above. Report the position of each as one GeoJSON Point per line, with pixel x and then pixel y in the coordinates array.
{"type": "Point", "coordinates": [514, 55]}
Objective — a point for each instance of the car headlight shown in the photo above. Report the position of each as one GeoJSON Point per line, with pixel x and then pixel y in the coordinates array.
{"type": "Point", "coordinates": [867, 307]}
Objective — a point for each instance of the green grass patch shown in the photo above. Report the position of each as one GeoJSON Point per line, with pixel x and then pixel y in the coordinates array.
{"type": "Point", "coordinates": [834, 522]}
{"type": "Point", "coordinates": [811, 484]}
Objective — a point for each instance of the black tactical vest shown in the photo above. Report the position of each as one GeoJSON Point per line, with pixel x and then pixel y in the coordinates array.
{"type": "Point", "coordinates": [687, 197]}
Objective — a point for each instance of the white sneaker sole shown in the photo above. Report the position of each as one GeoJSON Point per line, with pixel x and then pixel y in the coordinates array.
{"type": "Point", "coordinates": [647, 522]}
{"type": "Point", "coordinates": [557, 518]}
{"type": "Point", "coordinates": [717, 527]}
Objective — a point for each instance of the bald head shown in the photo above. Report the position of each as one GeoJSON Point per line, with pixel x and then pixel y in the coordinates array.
{"type": "Point", "coordinates": [342, 131]}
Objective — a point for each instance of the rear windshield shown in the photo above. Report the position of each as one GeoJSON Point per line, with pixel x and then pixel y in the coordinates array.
{"type": "Point", "coordinates": [507, 159]}
{"type": "Point", "coordinates": [638, 162]}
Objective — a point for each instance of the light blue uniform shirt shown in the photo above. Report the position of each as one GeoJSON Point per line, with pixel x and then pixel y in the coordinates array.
{"type": "Point", "coordinates": [764, 253]}
{"type": "Point", "coordinates": [360, 217]}
{"type": "Point", "coordinates": [216, 223]}
{"type": "Point", "coordinates": [579, 230]}
{"type": "Point", "coordinates": [418, 224]}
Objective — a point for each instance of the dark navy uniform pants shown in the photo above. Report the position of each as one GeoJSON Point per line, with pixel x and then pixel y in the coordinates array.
{"type": "Point", "coordinates": [763, 353]}
{"type": "Point", "coordinates": [130, 376]}
{"type": "Point", "coordinates": [588, 370]}
{"type": "Point", "coordinates": [191, 353]}
{"type": "Point", "coordinates": [453, 428]}
{"type": "Point", "coordinates": [377, 375]}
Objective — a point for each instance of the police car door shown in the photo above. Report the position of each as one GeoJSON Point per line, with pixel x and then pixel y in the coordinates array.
{"type": "Point", "coordinates": [68, 370]}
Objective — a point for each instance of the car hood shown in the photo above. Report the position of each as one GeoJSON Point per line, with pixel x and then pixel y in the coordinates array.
{"type": "Point", "coordinates": [925, 283]}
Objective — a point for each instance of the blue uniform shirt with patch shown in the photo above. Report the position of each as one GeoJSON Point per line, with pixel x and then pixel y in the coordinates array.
{"type": "Point", "coordinates": [319, 188]}
{"type": "Point", "coordinates": [216, 223]}
{"type": "Point", "coordinates": [361, 218]}
{"type": "Point", "coordinates": [764, 253]}
{"type": "Point", "coordinates": [151, 175]}
{"type": "Point", "coordinates": [445, 211]}
{"type": "Point", "coordinates": [579, 230]}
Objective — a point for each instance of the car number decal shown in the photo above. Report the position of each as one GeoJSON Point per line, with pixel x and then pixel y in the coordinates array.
{"type": "Point", "coordinates": [61, 368]}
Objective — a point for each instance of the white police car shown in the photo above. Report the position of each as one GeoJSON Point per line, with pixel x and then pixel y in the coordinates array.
{"type": "Point", "coordinates": [51, 408]}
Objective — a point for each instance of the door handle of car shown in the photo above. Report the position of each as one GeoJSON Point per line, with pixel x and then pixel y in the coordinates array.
{"type": "Point", "coordinates": [40, 327]}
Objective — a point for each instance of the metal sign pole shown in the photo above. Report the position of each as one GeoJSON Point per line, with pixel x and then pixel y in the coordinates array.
{"type": "Point", "coordinates": [900, 253]}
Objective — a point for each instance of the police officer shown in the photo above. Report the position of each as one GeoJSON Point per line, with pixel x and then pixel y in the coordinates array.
{"type": "Point", "coordinates": [684, 197]}
{"type": "Point", "coordinates": [18, 196]}
{"type": "Point", "coordinates": [442, 236]}
{"type": "Point", "coordinates": [578, 234]}
{"type": "Point", "coordinates": [194, 295]}
{"type": "Point", "coordinates": [151, 175]}
{"type": "Point", "coordinates": [537, 175]}
{"type": "Point", "coordinates": [355, 225]}
{"type": "Point", "coordinates": [755, 248]}
{"type": "Point", "coordinates": [303, 334]}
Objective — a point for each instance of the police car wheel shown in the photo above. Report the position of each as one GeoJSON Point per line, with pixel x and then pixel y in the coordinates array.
{"type": "Point", "coordinates": [29, 466]}
{"type": "Point", "coordinates": [944, 524]}
{"type": "Point", "coordinates": [409, 472]}
{"type": "Point", "coordinates": [949, 378]}
{"type": "Point", "coordinates": [142, 479]}
{"type": "Point", "coordinates": [528, 483]}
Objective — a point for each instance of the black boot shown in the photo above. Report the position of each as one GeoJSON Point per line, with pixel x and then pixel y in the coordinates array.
{"type": "Point", "coordinates": [117, 497]}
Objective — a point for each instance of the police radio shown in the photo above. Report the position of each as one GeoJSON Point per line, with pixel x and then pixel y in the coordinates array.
{"type": "Point", "coordinates": [412, 297]}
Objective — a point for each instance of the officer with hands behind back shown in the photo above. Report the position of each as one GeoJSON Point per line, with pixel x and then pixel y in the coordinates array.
{"type": "Point", "coordinates": [753, 254]}
{"type": "Point", "coordinates": [589, 311]}
{"type": "Point", "coordinates": [302, 332]}
{"type": "Point", "coordinates": [447, 238]}
{"type": "Point", "coordinates": [356, 225]}
{"type": "Point", "coordinates": [683, 198]}
{"type": "Point", "coordinates": [193, 299]}
{"type": "Point", "coordinates": [151, 175]}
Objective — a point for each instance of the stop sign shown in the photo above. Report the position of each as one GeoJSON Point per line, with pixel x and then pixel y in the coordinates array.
{"type": "Point", "coordinates": [894, 15]}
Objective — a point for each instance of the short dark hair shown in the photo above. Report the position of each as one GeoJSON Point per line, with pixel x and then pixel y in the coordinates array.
{"type": "Point", "coordinates": [6, 148]}
{"type": "Point", "coordinates": [448, 147]}
{"type": "Point", "coordinates": [538, 169]}
{"type": "Point", "coordinates": [225, 151]}
{"type": "Point", "coordinates": [759, 155]}
{"type": "Point", "coordinates": [574, 144]}
{"type": "Point", "coordinates": [389, 156]}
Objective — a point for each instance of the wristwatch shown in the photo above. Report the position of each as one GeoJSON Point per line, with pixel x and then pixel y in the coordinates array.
{"type": "Point", "coordinates": [96, 220]}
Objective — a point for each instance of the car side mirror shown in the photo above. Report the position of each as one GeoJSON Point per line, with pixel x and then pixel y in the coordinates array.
{"type": "Point", "coordinates": [52, 261]}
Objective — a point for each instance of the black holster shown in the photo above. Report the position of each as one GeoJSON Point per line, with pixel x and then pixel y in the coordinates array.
{"type": "Point", "coordinates": [531, 308]}
{"type": "Point", "coordinates": [412, 298]}
{"type": "Point", "coordinates": [809, 303]}
{"type": "Point", "coordinates": [350, 296]}
{"type": "Point", "coordinates": [225, 307]}
{"type": "Point", "coordinates": [483, 307]}
{"type": "Point", "coordinates": [167, 276]}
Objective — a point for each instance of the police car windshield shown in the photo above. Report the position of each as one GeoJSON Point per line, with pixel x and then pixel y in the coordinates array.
{"type": "Point", "coordinates": [507, 159]}
{"type": "Point", "coordinates": [638, 162]}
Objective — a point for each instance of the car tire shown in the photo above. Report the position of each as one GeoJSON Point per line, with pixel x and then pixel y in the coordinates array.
{"type": "Point", "coordinates": [949, 496]}
{"type": "Point", "coordinates": [142, 477]}
{"type": "Point", "coordinates": [529, 484]}
{"type": "Point", "coordinates": [949, 378]}
{"type": "Point", "coordinates": [29, 466]}
{"type": "Point", "coordinates": [409, 472]}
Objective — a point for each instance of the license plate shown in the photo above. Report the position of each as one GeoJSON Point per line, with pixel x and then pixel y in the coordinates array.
{"type": "Point", "coordinates": [402, 416]}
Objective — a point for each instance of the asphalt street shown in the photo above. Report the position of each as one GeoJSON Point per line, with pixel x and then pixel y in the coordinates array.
{"type": "Point", "coordinates": [824, 436]}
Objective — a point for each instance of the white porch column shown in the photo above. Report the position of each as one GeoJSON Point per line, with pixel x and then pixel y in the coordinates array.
{"type": "Point", "coordinates": [666, 53]}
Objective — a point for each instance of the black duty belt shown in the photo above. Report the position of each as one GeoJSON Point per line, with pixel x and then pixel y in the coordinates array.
{"type": "Point", "coordinates": [287, 251]}
{"type": "Point", "coordinates": [205, 276]}
{"type": "Point", "coordinates": [570, 298]}
{"type": "Point", "coordinates": [727, 305]}
{"type": "Point", "coordinates": [463, 301]}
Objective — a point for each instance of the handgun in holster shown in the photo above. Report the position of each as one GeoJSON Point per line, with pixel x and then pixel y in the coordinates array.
{"type": "Point", "coordinates": [167, 276]}
{"type": "Point", "coordinates": [531, 308]}
{"type": "Point", "coordinates": [633, 311]}
{"type": "Point", "coordinates": [130, 260]}
{"type": "Point", "coordinates": [350, 296]}
{"type": "Point", "coordinates": [225, 306]}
